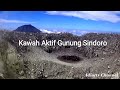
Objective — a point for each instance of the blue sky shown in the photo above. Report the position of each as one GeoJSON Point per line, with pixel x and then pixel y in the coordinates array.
{"type": "Point", "coordinates": [69, 21]}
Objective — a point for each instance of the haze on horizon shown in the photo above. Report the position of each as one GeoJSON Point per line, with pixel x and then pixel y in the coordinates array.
{"type": "Point", "coordinates": [69, 21]}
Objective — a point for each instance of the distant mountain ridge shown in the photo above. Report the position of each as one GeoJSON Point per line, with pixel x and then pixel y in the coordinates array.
{"type": "Point", "coordinates": [30, 28]}
{"type": "Point", "coordinates": [27, 28]}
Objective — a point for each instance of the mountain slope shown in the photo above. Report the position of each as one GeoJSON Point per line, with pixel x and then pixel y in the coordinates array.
{"type": "Point", "coordinates": [27, 28]}
{"type": "Point", "coordinates": [38, 63]}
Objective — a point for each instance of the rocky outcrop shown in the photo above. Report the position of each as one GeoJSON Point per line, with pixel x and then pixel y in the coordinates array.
{"type": "Point", "coordinates": [42, 63]}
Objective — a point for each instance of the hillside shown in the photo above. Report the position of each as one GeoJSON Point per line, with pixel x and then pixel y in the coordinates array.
{"type": "Point", "coordinates": [27, 28]}
{"type": "Point", "coordinates": [45, 62]}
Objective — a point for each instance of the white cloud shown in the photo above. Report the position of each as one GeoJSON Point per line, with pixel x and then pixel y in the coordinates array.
{"type": "Point", "coordinates": [110, 16]}
{"type": "Point", "coordinates": [83, 32]}
{"type": "Point", "coordinates": [79, 32]}
{"type": "Point", "coordinates": [48, 31]}
{"type": "Point", "coordinates": [13, 21]}
{"type": "Point", "coordinates": [75, 32]}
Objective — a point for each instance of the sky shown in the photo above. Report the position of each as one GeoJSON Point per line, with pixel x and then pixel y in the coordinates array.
{"type": "Point", "coordinates": [63, 21]}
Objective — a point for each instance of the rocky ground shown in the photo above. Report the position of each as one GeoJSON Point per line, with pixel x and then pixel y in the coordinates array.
{"type": "Point", "coordinates": [36, 63]}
